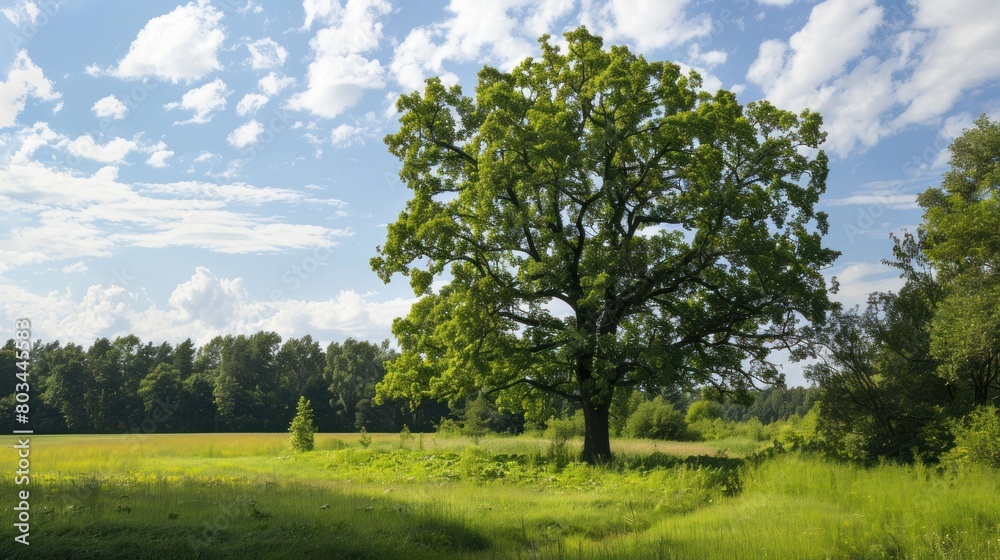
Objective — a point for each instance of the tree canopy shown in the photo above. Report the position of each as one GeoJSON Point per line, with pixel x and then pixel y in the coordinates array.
{"type": "Point", "coordinates": [600, 222]}
{"type": "Point", "coordinates": [961, 231]}
{"type": "Point", "coordinates": [894, 377]}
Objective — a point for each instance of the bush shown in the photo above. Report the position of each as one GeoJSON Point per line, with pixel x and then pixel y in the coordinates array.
{"type": "Point", "coordinates": [656, 419]}
{"type": "Point", "coordinates": [711, 429]}
{"type": "Point", "coordinates": [565, 428]}
{"type": "Point", "coordinates": [977, 439]}
{"type": "Point", "coordinates": [703, 410]}
{"type": "Point", "coordinates": [474, 418]}
{"type": "Point", "coordinates": [448, 428]}
{"type": "Point", "coordinates": [303, 427]}
{"type": "Point", "coordinates": [560, 430]}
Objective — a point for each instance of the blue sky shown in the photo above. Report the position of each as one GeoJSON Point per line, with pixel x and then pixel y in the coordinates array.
{"type": "Point", "coordinates": [182, 170]}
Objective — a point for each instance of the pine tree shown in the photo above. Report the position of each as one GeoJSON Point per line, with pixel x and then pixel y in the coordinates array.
{"type": "Point", "coordinates": [303, 426]}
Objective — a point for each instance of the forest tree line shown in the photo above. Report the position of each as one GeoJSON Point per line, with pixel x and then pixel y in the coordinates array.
{"type": "Point", "coordinates": [252, 384]}
{"type": "Point", "coordinates": [231, 384]}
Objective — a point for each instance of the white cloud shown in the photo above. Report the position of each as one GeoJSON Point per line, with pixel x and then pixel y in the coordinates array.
{"type": "Point", "coordinates": [870, 77]}
{"type": "Point", "coordinates": [251, 103]}
{"type": "Point", "coordinates": [236, 234]}
{"type": "Point", "coordinates": [266, 54]}
{"type": "Point", "coordinates": [346, 135]}
{"type": "Point", "coordinates": [884, 198]}
{"type": "Point", "coordinates": [858, 280]}
{"type": "Point", "coordinates": [810, 71]}
{"type": "Point", "coordinates": [24, 13]}
{"type": "Point", "coordinates": [24, 80]}
{"type": "Point", "coordinates": [158, 155]}
{"type": "Point", "coordinates": [204, 156]}
{"type": "Point", "coordinates": [204, 101]}
{"type": "Point", "coordinates": [179, 46]}
{"type": "Point", "coordinates": [649, 24]}
{"type": "Point", "coordinates": [241, 193]}
{"type": "Point", "coordinates": [114, 151]}
{"type": "Point", "coordinates": [207, 298]}
{"type": "Point", "coordinates": [272, 84]}
{"type": "Point", "coordinates": [34, 137]}
{"type": "Point", "coordinates": [338, 74]}
{"type": "Point", "coordinates": [319, 10]}
{"type": "Point", "coordinates": [78, 267]}
{"type": "Point", "coordinates": [245, 135]}
{"type": "Point", "coordinates": [109, 106]}
{"type": "Point", "coordinates": [502, 32]}
{"type": "Point", "coordinates": [707, 59]}
{"type": "Point", "coordinates": [200, 308]}
{"type": "Point", "coordinates": [347, 314]}
{"type": "Point", "coordinates": [337, 84]}
{"type": "Point", "coordinates": [837, 32]}
{"type": "Point", "coordinates": [776, 2]}
{"type": "Point", "coordinates": [71, 215]}
{"type": "Point", "coordinates": [250, 7]}
{"type": "Point", "coordinates": [962, 53]}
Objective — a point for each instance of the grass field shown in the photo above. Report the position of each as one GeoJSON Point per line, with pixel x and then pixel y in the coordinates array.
{"type": "Point", "coordinates": [247, 496]}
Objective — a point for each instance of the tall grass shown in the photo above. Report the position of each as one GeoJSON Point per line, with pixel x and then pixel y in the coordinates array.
{"type": "Point", "coordinates": [249, 496]}
{"type": "Point", "coordinates": [802, 507]}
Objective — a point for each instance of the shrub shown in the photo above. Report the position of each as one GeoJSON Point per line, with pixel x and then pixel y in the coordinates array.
{"type": "Point", "coordinates": [448, 428]}
{"type": "Point", "coordinates": [656, 419]}
{"type": "Point", "coordinates": [474, 418]}
{"type": "Point", "coordinates": [710, 429]}
{"type": "Point", "coordinates": [977, 439]}
{"type": "Point", "coordinates": [700, 410]}
{"type": "Point", "coordinates": [565, 428]}
{"type": "Point", "coordinates": [560, 430]}
{"type": "Point", "coordinates": [303, 426]}
{"type": "Point", "coordinates": [405, 437]}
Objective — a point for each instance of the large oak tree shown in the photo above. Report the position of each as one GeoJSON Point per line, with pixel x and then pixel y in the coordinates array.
{"type": "Point", "coordinates": [600, 222]}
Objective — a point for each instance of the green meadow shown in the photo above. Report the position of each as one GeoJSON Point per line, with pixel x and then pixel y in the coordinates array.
{"type": "Point", "coordinates": [429, 496]}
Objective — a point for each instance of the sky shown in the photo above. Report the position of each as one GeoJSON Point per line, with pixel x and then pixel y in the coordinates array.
{"type": "Point", "coordinates": [184, 170]}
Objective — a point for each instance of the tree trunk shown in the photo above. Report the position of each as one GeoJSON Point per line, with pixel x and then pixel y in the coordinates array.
{"type": "Point", "coordinates": [596, 439]}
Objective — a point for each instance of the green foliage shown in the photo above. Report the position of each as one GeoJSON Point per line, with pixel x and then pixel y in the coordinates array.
{"type": "Point", "coordinates": [977, 439]}
{"type": "Point", "coordinates": [475, 417]}
{"type": "Point", "coordinates": [880, 395]}
{"type": "Point", "coordinates": [353, 368]}
{"type": "Point", "coordinates": [962, 216]}
{"type": "Point", "coordinates": [656, 419]}
{"type": "Point", "coordinates": [719, 428]}
{"type": "Point", "coordinates": [800, 433]}
{"type": "Point", "coordinates": [544, 189]}
{"type": "Point", "coordinates": [230, 384]}
{"type": "Point", "coordinates": [565, 428]}
{"type": "Point", "coordinates": [772, 404]}
{"type": "Point", "coordinates": [247, 381]}
{"type": "Point", "coordinates": [405, 437]}
{"type": "Point", "coordinates": [448, 427]}
{"type": "Point", "coordinates": [559, 431]}
{"type": "Point", "coordinates": [961, 241]}
{"type": "Point", "coordinates": [965, 335]}
{"type": "Point", "coordinates": [896, 374]}
{"type": "Point", "coordinates": [163, 384]}
{"type": "Point", "coordinates": [364, 440]}
{"type": "Point", "coordinates": [702, 410]}
{"type": "Point", "coordinates": [303, 426]}
{"type": "Point", "coordinates": [475, 502]}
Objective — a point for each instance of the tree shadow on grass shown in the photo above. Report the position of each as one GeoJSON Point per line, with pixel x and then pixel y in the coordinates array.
{"type": "Point", "coordinates": [289, 521]}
